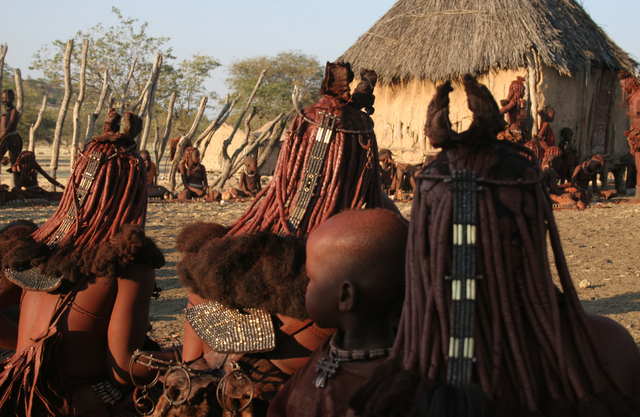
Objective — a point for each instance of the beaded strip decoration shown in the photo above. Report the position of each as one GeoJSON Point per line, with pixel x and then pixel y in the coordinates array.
{"type": "Point", "coordinates": [328, 368]}
{"type": "Point", "coordinates": [313, 171]}
{"type": "Point", "coordinates": [227, 330]}
{"type": "Point", "coordinates": [31, 279]}
{"type": "Point", "coordinates": [107, 392]}
{"type": "Point", "coordinates": [464, 186]}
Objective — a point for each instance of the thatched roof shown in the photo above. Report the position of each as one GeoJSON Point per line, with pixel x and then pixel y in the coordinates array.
{"type": "Point", "coordinates": [440, 39]}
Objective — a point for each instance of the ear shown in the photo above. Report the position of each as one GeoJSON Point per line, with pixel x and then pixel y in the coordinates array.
{"type": "Point", "coordinates": [347, 300]}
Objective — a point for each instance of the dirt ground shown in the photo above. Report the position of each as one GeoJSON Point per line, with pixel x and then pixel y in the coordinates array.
{"type": "Point", "coordinates": [599, 245]}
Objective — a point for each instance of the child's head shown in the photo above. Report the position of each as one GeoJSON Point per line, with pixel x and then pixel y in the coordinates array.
{"type": "Point", "coordinates": [250, 165]}
{"type": "Point", "coordinates": [567, 134]}
{"type": "Point", "coordinates": [355, 263]}
{"type": "Point", "coordinates": [7, 97]}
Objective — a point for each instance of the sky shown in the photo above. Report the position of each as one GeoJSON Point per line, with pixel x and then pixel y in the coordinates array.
{"type": "Point", "coordinates": [237, 29]}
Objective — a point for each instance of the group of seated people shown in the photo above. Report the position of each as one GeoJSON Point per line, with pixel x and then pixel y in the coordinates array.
{"type": "Point", "coordinates": [194, 179]}
{"type": "Point", "coordinates": [314, 306]}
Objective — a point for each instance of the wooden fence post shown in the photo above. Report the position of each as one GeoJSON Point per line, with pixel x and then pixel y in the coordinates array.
{"type": "Point", "coordinates": [63, 110]}
{"type": "Point", "coordinates": [34, 126]}
{"type": "Point", "coordinates": [79, 101]}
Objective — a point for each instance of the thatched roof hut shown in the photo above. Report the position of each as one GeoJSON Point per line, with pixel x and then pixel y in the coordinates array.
{"type": "Point", "coordinates": [566, 58]}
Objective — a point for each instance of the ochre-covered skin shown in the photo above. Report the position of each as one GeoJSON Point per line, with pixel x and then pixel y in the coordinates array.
{"type": "Point", "coordinates": [108, 259]}
{"type": "Point", "coordinates": [10, 139]}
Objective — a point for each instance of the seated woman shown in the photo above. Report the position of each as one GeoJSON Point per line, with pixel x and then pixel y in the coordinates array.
{"type": "Point", "coordinates": [84, 281]}
{"type": "Point", "coordinates": [153, 190]}
{"type": "Point", "coordinates": [584, 174]}
{"type": "Point", "coordinates": [550, 164]}
{"type": "Point", "coordinates": [249, 180]}
{"type": "Point", "coordinates": [25, 176]}
{"type": "Point", "coordinates": [194, 177]}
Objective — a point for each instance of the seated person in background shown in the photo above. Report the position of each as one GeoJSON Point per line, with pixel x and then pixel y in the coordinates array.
{"type": "Point", "coordinates": [392, 174]}
{"type": "Point", "coordinates": [153, 190]}
{"type": "Point", "coordinates": [569, 155]}
{"type": "Point", "coordinates": [249, 180]}
{"type": "Point", "coordinates": [194, 177]}
{"type": "Point", "coordinates": [84, 286]}
{"type": "Point", "coordinates": [547, 115]}
{"type": "Point", "coordinates": [355, 263]}
{"type": "Point", "coordinates": [25, 177]}
{"type": "Point", "coordinates": [550, 163]}
{"type": "Point", "coordinates": [585, 173]}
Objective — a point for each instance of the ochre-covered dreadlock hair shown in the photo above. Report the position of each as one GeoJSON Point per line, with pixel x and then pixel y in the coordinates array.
{"type": "Point", "coordinates": [523, 365]}
{"type": "Point", "coordinates": [349, 179]}
{"type": "Point", "coordinates": [116, 205]}
{"type": "Point", "coordinates": [350, 174]}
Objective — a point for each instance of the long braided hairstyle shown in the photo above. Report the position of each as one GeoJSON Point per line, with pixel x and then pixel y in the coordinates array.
{"type": "Point", "coordinates": [522, 364]}
{"type": "Point", "coordinates": [350, 175]}
{"type": "Point", "coordinates": [230, 267]}
{"type": "Point", "coordinates": [116, 200]}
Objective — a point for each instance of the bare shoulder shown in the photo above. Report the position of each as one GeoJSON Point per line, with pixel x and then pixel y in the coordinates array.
{"type": "Point", "coordinates": [619, 351]}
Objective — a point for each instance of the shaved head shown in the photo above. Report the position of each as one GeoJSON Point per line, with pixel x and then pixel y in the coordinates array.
{"type": "Point", "coordinates": [365, 247]}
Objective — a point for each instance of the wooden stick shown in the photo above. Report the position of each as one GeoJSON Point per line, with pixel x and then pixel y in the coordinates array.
{"type": "Point", "coordinates": [19, 91]}
{"type": "Point", "coordinates": [157, 67]}
{"type": "Point", "coordinates": [159, 150]}
{"type": "Point", "coordinates": [126, 85]}
{"type": "Point", "coordinates": [94, 116]}
{"type": "Point", "coordinates": [34, 126]}
{"type": "Point", "coordinates": [222, 117]}
{"type": "Point", "coordinates": [57, 134]}
{"type": "Point", "coordinates": [79, 101]}
{"type": "Point", "coordinates": [3, 53]}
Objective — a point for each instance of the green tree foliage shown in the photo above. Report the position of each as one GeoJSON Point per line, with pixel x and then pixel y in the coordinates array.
{"type": "Point", "coordinates": [283, 72]}
{"type": "Point", "coordinates": [115, 48]}
{"type": "Point", "coordinates": [112, 48]}
{"type": "Point", "coordinates": [188, 81]}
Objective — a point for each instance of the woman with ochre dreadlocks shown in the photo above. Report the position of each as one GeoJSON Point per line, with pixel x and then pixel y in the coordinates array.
{"type": "Point", "coordinates": [484, 330]}
{"type": "Point", "coordinates": [84, 281]}
{"type": "Point", "coordinates": [327, 164]}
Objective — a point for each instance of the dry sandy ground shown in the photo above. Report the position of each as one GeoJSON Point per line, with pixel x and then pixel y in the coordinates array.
{"type": "Point", "coordinates": [600, 245]}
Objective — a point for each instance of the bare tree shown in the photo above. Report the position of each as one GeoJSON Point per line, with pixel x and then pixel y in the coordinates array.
{"type": "Point", "coordinates": [227, 162]}
{"type": "Point", "coordinates": [205, 138]}
{"type": "Point", "coordinates": [3, 53]}
{"type": "Point", "coordinates": [159, 146]}
{"type": "Point", "coordinates": [274, 138]}
{"type": "Point", "coordinates": [19, 91]}
{"type": "Point", "coordinates": [126, 85]}
{"type": "Point", "coordinates": [151, 97]}
{"type": "Point", "coordinates": [182, 144]}
{"type": "Point", "coordinates": [57, 134]}
{"type": "Point", "coordinates": [79, 100]}
{"type": "Point", "coordinates": [249, 145]}
{"type": "Point", "coordinates": [92, 117]}
{"type": "Point", "coordinates": [34, 126]}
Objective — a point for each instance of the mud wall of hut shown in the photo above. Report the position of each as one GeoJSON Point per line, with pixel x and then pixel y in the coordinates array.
{"type": "Point", "coordinates": [400, 110]}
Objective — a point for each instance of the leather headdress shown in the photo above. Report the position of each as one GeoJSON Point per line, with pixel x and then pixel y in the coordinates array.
{"type": "Point", "coordinates": [337, 78]}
